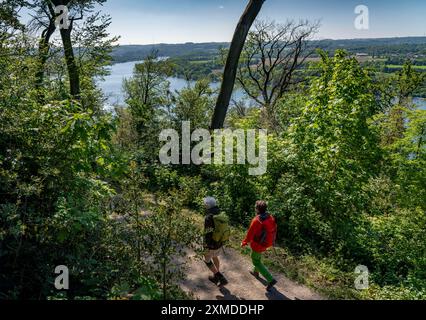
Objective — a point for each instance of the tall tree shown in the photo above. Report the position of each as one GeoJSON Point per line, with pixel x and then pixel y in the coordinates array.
{"type": "Point", "coordinates": [44, 18]}
{"type": "Point", "coordinates": [86, 45]}
{"type": "Point", "coordinates": [65, 31]}
{"type": "Point", "coordinates": [147, 95]}
{"type": "Point", "coordinates": [76, 11]}
{"type": "Point", "coordinates": [237, 44]}
{"type": "Point", "coordinates": [402, 86]}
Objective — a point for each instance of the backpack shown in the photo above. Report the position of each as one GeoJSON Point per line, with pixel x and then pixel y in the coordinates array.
{"type": "Point", "coordinates": [222, 231]}
{"type": "Point", "coordinates": [267, 236]}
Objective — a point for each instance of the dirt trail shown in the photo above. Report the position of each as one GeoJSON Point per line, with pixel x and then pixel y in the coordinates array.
{"type": "Point", "coordinates": [242, 285]}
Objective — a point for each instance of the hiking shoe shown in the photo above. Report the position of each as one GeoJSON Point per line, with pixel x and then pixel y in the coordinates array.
{"type": "Point", "coordinates": [255, 274]}
{"type": "Point", "coordinates": [214, 279]}
{"type": "Point", "coordinates": [222, 280]}
{"type": "Point", "coordinates": [271, 285]}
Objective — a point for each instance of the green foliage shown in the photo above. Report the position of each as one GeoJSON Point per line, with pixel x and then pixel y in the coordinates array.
{"type": "Point", "coordinates": [408, 156]}
{"type": "Point", "coordinates": [147, 94]}
{"type": "Point", "coordinates": [198, 67]}
{"type": "Point", "coordinates": [168, 236]}
{"type": "Point", "coordinates": [408, 80]}
{"type": "Point", "coordinates": [235, 191]}
{"type": "Point", "coordinates": [194, 104]}
{"type": "Point", "coordinates": [332, 154]}
{"type": "Point", "coordinates": [338, 191]}
{"type": "Point", "coordinates": [346, 173]}
{"type": "Point", "coordinates": [51, 191]}
{"type": "Point", "coordinates": [192, 191]}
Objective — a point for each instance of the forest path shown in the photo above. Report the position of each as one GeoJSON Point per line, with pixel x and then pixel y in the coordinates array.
{"type": "Point", "coordinates": [236, 268]}
{"type": "Point", "coordinates": [242, 285]}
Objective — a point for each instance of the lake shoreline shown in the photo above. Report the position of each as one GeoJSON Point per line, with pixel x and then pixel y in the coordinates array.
{"type": "Point", "coordinates": [112, 84]}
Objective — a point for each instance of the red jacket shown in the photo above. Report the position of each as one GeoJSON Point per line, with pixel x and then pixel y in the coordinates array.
{"type": "Point", "coordinates": [254, 230]}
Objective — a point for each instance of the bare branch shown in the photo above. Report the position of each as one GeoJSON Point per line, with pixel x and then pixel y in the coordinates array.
{"type": "Point", "coordinates": [273, 53]}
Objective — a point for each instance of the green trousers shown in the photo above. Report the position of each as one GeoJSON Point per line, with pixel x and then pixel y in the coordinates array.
{"type": "Point", "coordinates": [256, 258]}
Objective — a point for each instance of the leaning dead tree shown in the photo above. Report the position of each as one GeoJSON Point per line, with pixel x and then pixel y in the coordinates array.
{"type": "Point", "coordinates": [272, 55]}
{"type": "Point", "coordinates": [237, 44]}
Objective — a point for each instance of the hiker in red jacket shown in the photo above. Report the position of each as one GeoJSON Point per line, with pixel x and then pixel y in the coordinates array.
{"type": "Point", "coordinates": [261, 236]}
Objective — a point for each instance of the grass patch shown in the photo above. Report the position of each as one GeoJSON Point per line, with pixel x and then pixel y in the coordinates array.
{"type": "Point", "coordinates": [200, 62]}
{"type": "Point", "coordinates": [398, 67]}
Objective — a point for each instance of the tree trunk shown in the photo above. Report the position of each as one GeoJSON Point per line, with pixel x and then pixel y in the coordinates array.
{"type": "Point", "coordinates": [73, 73]}
{"type": "Point", "coordinates": [43, 55]}
{"type": "Point", "coordinates": [419, 146]}
{"type": "Point", "coordinates": [237, 44]}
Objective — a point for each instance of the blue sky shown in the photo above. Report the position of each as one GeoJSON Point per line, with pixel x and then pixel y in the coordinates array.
{"type": "Point", "coordinates": [178, 21]}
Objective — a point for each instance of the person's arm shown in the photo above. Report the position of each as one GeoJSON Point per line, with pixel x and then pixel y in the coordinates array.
{"type": "Point", "coordinates": [208, 230]}
{"type": "Point", "coordinates": [251, 232]}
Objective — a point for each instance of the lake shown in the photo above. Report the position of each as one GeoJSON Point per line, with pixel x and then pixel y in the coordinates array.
{"type": "Point", "coordinates": [113, 84]}
{"type": "Point", "coordinates": [420, 102]}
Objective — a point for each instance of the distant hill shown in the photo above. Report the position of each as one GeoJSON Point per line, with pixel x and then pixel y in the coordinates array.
{"type": "Point", "coordinates": [139, 52]}
{"type": "Point", "coordinates": [380, 46]}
